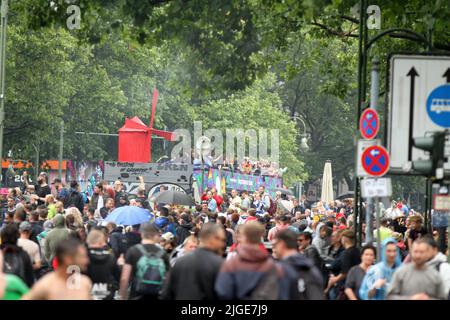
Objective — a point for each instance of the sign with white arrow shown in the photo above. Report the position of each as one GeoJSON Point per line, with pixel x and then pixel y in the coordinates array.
{"type": "Point", "coordinates": [419, 103]}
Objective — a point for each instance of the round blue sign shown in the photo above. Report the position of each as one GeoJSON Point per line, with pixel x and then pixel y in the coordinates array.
{"type": "Point", "coordinates": [438, 106]}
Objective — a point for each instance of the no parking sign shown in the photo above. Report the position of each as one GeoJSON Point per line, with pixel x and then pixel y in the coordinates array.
{"type": "Point", "coordinates": [369, 123]}
{"type": "Point", "coordinates": [375, 161]}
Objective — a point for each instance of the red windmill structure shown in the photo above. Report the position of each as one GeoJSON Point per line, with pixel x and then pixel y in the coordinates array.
{"type": "Point", "coordinates": [135, 138]}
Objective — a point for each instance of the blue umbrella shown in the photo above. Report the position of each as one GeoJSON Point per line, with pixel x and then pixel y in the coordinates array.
{"type": "Point", "coordinates": [129, 215]}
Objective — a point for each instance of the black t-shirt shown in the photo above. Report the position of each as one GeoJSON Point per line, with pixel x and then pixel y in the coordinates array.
{"type": "Point", "coordinates": [350, 257]}
{"type": "Point", "coordinates": [132, 257]}
{"type": "Point", "coordinates": [41, 192]}
{"type": "Point", "coordinates": [354, 279]}
{"type": "Point", "coordinates": [415, 234]}
{"type": "Point", "coordinates": [104, 273]}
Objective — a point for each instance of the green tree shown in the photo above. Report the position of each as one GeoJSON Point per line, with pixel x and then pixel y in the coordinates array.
{"type": "Point", "coordinates": [258, 106]}
{"type": "Point", "coordinates": [317, 86]}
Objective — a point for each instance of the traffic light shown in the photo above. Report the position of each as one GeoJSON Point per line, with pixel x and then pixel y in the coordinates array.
{"type": "Point", "coordinates": [434, 144]}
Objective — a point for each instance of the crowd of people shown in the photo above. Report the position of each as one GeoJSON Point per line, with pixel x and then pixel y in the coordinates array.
{"type": "Point", "coordinates": [56, 244]}
{"type": "Point", "coordinates": [259, 167]}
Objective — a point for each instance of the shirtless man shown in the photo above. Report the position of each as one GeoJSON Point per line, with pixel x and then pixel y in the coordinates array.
{"type": "Point", "coordinates": [66, 282]}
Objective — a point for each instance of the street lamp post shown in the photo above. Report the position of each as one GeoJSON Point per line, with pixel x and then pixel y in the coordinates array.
{"type": "Point", "coordinates": [304, 136]}
{"type": "Point", "coordinates": [4, 21]}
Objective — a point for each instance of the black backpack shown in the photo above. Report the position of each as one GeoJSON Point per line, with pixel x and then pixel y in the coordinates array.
{"type": "Point", "coordinates": [267, 287]}
{"type": "Point", "coordinates": [309, 285]}
{"type": "Point", "coordinates": [13, 262]}
{"type": "Point", "coordinates": [121, 243]}
{"type": "Point", "coordinates": [75, 199]}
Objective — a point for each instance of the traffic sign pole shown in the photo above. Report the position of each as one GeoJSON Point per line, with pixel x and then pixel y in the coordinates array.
{"type": "Point", "coordinates": [374, 96]}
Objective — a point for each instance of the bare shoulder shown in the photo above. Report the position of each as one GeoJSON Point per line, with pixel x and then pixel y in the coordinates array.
{"type": "Point", "coordinates": [86, 281]}
{"type": "Point", "coordinates": [40, 290]}
{"type": "Point", "coordinates": [45, 281]}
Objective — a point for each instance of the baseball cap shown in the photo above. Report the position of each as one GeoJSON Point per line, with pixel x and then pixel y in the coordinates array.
{"type": "Point", "coordinates": [25, 226]}
{"type": "Point", "coordinates": [168, 236]}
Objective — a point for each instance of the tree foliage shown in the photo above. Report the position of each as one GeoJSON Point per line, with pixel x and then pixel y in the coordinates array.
{"type": "Point", "coordinates": [249, 64]}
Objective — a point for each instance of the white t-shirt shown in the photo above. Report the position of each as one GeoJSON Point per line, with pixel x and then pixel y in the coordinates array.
{"type": "Point", "coordinates": [100, 203]}
{"type": "Point", "coordinates": [32, 248]}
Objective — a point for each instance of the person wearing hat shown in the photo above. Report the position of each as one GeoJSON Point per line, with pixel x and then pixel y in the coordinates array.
{"type": "Point", "coordinates": [30, 247]}
{"type": "Point", "coordinates": [168, 242]}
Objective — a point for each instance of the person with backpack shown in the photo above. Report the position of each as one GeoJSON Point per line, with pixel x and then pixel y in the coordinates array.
{"type": "Point", "coordinates": [60, 191]}
{"type": "Point", "coordinates": [11, 286]}
{"type": "Point", "coordinates": [145, 266]}
{"type": "Point", "coordinates": [117, 240]}
{"type": "Point", "coordinates": [15, 260]}
{"type": "Point", "coordinates": [307, 282]}
{"type": "Point", "coordinates": [102, 269]}
{"type": "Point", "coordinates": [75, 198]}
{"type": "Point", "coordinates": [251, 274]}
